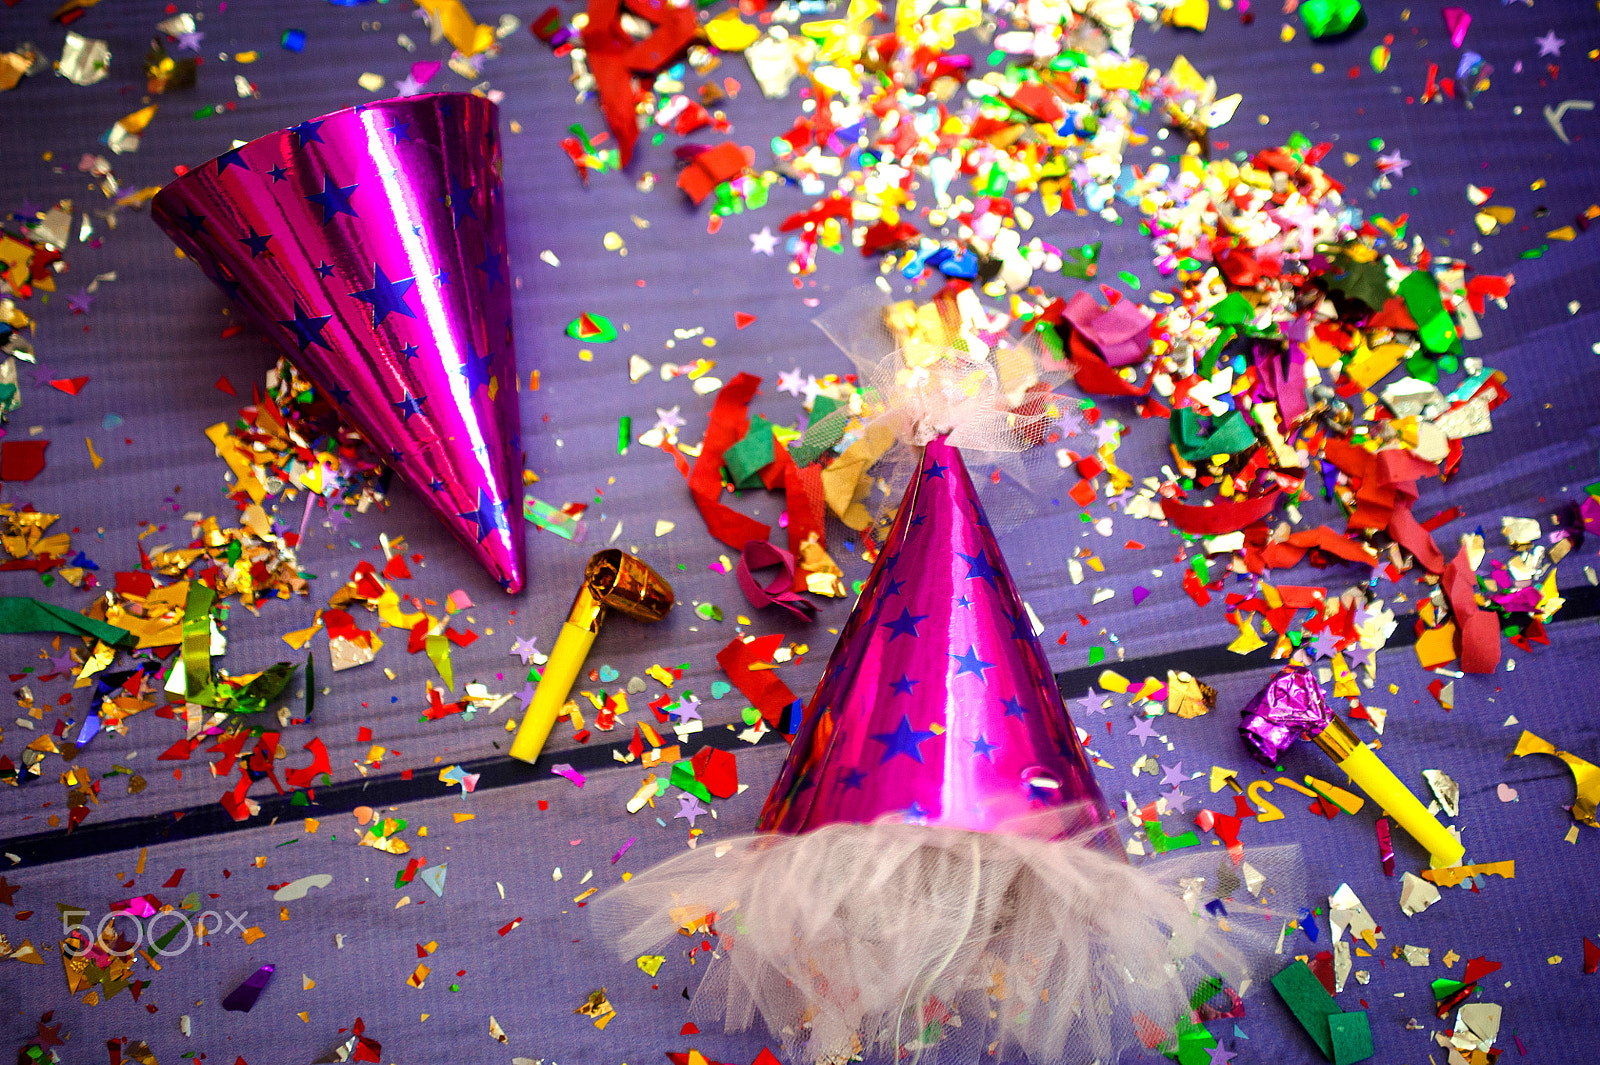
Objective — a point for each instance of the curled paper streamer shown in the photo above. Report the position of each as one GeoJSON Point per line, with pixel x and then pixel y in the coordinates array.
{"type": "Point", "coordinates": [1478, 629]}
{"type": "Point", "coordinates": [759, 554]}
{"type": "Point", "coordinates": [1585, 775]}
{"type": "Point", "coordinates": [1222, 517]}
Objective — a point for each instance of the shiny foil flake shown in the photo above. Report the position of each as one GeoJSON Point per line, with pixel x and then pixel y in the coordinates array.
{"type": "Point", "coordinates": [242, 998]}
{"type": "Point", "coordinates": [1346, 912]}
{"type": "Point", "coordinates": [84, 60]}
{"type": "Point", "coordinates": [597, 1008]}
{"type": "Point", "coordinates": [1416, 894]}
{"type": "Point", "coordinates": [370, 245]}
{"type": "Point", "coordinates": [1188, 697]}
{"type": "Point", "coordinates": [1445, 789]}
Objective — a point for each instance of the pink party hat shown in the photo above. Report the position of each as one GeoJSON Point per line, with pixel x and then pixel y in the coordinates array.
{"type": "Point", "coordinates": [931, 871]}
{"type": "Point", "coordinates": [938, 706]}
{"type": "Point", "coordinates": [369, 244]}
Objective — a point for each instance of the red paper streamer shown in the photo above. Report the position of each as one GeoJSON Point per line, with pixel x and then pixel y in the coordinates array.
{"type": "Point", "coordinates": [759, 554]}
{"type": "Point", "coordinates": [1477, 630]}
{"type": "Point", "coordinates": [614, 57]}
{"type": "Point", "coordinates": [730, 420]}
{"type": "Point", "coordinates": [1219, 517]}
{"type": "Point", "coordinates": [762, 687]}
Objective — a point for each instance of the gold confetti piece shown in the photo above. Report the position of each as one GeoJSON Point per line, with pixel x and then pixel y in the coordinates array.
{"type": "Point", "coordinates": [1554, 959]}
{"type": "Point", "coordinates": [306, 983]}
{"type": "Point", "coordinates": [418, 976]}
{"type": "Point", "coordinates": [598, 1007]}
{"type": "Point", "coordinates": [1248, 639]}
{"type": "Point", "coordinates": [138, 869]}
{"type": "Point", "coordinates": [1344, 800]}
{"type": "Point", "coordinates": [405, 900]}
{"type": "Point", "coordinates": [464, 817]}
{"type": "Point", "coordinates": [304, 1016]}
{"type": "Point", "coordinates": [283, 913]}
{"type": "Point", "coordinates": [650, 964]}
{"type": "Point", "coordinates": [370, 81]}
{"type": "Point", "coordinates": [253, 933]}
{"type": "Point", "coordinates": [1586, 775]}
{"type": "Point", "coordinates": [586, 894]}
{"type": "Point", "coordinates": [1454, 875]}
{"type": "Point", "coordinates": [94, 456]}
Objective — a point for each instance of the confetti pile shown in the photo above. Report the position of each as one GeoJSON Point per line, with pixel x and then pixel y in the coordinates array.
{"type": "Point", "coordinates": [1305, 360]}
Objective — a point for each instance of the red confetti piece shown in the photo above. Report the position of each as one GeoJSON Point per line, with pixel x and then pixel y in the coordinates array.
{"type": "Point", "coordinates": [22, 460]}
{"type": "Point", "coordinates": [70, 385]}
{"type": "Point", "coordinates": [766, 692]}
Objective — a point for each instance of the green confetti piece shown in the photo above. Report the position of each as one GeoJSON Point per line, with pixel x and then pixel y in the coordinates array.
{"type": "Point", "coordinates": [683, 779]}
{"type": "Point", "coordinates": [1163, 842]}
{"type": "Point", "coordinates": [624, 434]}
{"type": "Point", "coordinates": [594, 328]}
{"type": "Point", "coordinates": [1352, 1037]}
{"type": "Point", "coordinates": [1097, 655]}
{"type": "Point", "coordinates": [1229, 434]}
{"type": "Point", "coordinates": [746, 459]}
{"type": "Point", "coordinates": [1310, 1003]}
{"type": "Point", "coordinates": [551, 519]}
{"type": "Point", "coordinates": [1129, 279]}
{"type": "Point", "coordinates": [1434, 326]}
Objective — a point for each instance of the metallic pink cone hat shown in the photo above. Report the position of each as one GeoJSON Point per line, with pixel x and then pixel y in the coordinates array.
{"type": "Point", "coordinates": [370, 245]}
{"type": "Point", "coordinates": [938, 706]}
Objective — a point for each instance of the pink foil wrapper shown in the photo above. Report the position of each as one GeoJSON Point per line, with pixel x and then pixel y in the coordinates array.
{"type": "Point", "coordinates": [1289, 708]}
{"type": "Point", "coordinates": [938, 706]}
{"type": "Point", "coordinates": [369, 244]}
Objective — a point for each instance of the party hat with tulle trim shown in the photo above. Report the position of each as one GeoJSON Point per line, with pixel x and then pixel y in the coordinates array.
{"type": "Point", "coordinates": [938, 706]}
{"type": "Point", "coordinates": [932, 873]}
{"type": "Point", "coordinates": [369, 244]}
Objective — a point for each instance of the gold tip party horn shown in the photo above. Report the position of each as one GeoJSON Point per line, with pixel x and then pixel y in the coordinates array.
{"type": "Point", "coordinates": [611, 581]}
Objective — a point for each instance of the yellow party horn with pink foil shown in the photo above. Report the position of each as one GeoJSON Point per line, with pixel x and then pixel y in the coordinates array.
{"type": "Point", "coordinates": [1291, 707]}
{"type": "Point", "coordinates": [611, 581]}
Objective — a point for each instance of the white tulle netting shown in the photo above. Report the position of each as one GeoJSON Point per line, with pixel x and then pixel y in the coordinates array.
{"type": "Point", "coordinates": [950, 369]}
{"type": "Point", "coordinates": [891, 940]}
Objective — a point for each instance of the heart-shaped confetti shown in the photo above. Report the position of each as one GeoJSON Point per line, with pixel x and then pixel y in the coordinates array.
{"type": "Point", "coordinates": [1507, 793]}
{"type": "Point", "coordinates": [607, 674]}
{"type": "Point", "coordinates": [635, 685]}
{"type": "Point", "coordinates": [720, 688]}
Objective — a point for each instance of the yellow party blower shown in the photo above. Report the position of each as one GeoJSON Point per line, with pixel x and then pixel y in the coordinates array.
{"type": "Point", "coordinates": [1291, 708]}
{"type": "Point", "coordinates": [611, 581]}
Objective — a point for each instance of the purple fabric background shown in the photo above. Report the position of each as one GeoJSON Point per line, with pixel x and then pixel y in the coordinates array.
{"type": "Point", "coordinates": [152, 349]}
